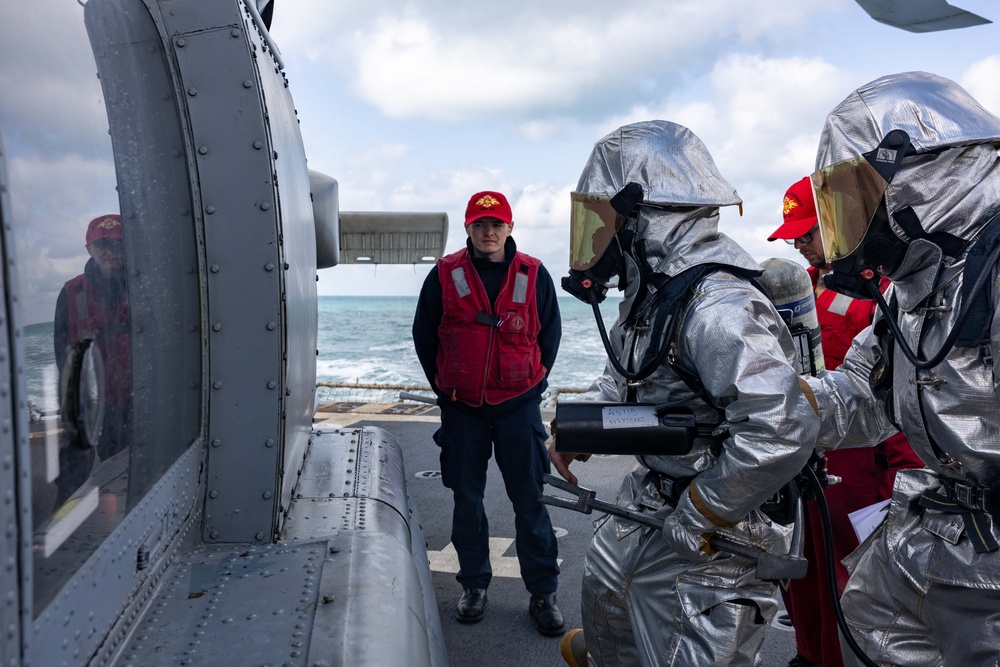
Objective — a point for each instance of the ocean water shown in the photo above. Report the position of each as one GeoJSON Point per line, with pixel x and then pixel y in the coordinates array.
{"type": "Point", "coordinates": [367, 339]}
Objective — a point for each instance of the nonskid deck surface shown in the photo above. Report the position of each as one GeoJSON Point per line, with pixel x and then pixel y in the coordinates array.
{"type": "Point", "coordinates": [507, 635]}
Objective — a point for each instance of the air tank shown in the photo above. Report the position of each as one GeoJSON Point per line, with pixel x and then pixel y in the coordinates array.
{"type": "Point", "coordinates": [790, 289]}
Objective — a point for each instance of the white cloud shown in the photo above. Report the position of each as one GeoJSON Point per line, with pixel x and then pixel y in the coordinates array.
{"type": "Point", "coordinates": [513, 96]}
{"type": "Point", "coordinates": [981, 82]}
{"type": "Point", "coordinates": [452, 61]}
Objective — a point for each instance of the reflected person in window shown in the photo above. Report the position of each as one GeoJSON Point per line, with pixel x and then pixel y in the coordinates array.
{"type": "Point", "coordinates": [94, 306]}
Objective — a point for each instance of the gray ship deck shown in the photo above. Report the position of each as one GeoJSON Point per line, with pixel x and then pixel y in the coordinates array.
{"type": "Point", "coordinates": [507, 635]}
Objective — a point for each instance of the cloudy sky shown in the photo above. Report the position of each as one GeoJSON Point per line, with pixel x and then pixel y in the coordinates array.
{"type": "Point", "coordinates": [415, 106]}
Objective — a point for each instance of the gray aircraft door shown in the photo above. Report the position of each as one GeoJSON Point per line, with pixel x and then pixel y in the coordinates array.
{"type": "Point", "coordinates": [14, 546]}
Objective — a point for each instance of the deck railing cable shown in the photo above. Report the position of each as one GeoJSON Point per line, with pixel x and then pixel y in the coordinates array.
{"type": "Point", "coordinates": [374, 392]}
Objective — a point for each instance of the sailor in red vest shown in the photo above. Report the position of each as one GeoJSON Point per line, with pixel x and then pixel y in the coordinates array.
{"type": "Point", "coordinates": [486, 331]}
{"type": "Point", "coordinates": [93, 306]}
{"type": "Point", "coordinates": [867, 473]}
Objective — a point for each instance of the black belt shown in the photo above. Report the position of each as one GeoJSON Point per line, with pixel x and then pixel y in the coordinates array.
{"type": "Point", "coordinates": [973, 502]}
{"type": "Point", "coordinates": [671, 487]}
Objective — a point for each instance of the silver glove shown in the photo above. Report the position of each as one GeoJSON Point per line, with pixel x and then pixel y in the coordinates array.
{"type": "Point", "coordinates": [687, 531]}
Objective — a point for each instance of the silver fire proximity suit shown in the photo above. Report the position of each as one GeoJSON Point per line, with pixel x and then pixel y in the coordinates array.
{"type": "Point", "coordinates": [657, 598]}
{"type": "Point", "coordinates": [925, 586]}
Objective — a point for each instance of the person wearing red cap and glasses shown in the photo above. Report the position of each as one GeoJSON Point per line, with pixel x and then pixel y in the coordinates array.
{"type": "Point", "coordinates": [92, 308]}
{"type": "Point", "coordinates": [867, 474]}
{"type": "Point", "coordinates": [486, 331]}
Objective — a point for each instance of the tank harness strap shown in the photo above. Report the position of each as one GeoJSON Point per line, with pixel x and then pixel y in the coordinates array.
{"type": "Point", "coordinates": [682, 285]}
{"type": "Point", "coordinates": [675, 294]}
{"type": "Point", "coordinates": [671, 293]}
{"type": "Point", "coordinates": [972, 503]}
{"type": "Point", "coordinates": [907, 219]}
{"type": "Point", "coordinates": [881, 378]}
{"type": "Point", "coordinates": [977, 327]}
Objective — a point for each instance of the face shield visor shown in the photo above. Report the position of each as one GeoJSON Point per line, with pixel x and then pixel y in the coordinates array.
{"type": "Point", "coordinates": [847, 194]}
{"type": "Point", "coordinates": [854, 224]}
{"type": "Point", "coordinates": [593, 223]}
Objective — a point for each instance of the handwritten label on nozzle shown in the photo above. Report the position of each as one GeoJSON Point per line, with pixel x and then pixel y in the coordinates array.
{"type": "Point", "coordinates": [629, 416]}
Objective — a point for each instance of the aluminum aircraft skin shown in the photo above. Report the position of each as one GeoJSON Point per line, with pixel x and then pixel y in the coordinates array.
{"type": "Point", "coordinates": [921, 15]}
{"type": "Point", "coordinates": [166, 499]}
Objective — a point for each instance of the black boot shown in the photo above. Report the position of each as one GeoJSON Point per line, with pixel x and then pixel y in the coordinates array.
{"type": "Point", "coordinates": [471, 606]}
{"type": "Point", "coordinates": [548, 619]}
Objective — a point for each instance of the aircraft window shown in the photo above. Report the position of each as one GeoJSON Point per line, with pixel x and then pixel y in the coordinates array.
{"type": "Point", "coordinates": [106, 269]}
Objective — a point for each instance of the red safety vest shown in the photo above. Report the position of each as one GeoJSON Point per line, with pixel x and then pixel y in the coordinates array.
{"type": "Point", "coordinates": [488, 352]}
{"type": "Point", "coordinates": [841, 318]}
{"type": "Point", "coordinates": [88, 318]}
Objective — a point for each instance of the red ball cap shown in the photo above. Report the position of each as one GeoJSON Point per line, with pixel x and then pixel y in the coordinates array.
{"type": "Point", "coordinates": [799, 210]}
{"type": "Point", "coordinates": [104, 227]}
{"type": "Point", "coordinates": [488, 204]}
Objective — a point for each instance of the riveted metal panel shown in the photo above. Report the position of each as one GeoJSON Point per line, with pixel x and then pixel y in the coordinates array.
{"type": "Point", "coordinates": [353, 600]}
{"type": "Point", "coordinates": [352, 480]}
{"type": "Point", "coordinates": [110, 582]}
{"type": "Point", "coordinates": [356, 463]}
{"type": "Point", "coordinates": [15, 493]}
{"type": "Point", "coordinates": [376, 600]}
{"type": "Point", "coordinates": [298, 251]}
{"type": "Point", "coordinates": [232, 605]}
{"type": "Point", "coordinates": [242, 244]}
{"type": "Point", "coordinates": [185, 16]}
{"type": "Point", "coordinates": [370, 609]}
{"type": "Point", "coordinates": [316, 518]}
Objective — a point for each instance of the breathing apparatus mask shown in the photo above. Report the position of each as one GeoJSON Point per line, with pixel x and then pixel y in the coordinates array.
{"type": "Point", "coordinates": [853, 220]}
{"type": "Point", "coordinates": [602, 228]}
{"type": "Point", "coordinates": [602, 235]}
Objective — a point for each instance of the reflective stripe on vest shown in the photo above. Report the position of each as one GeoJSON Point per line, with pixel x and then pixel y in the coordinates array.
{"type": "Point", "coordinates": [461, 284]}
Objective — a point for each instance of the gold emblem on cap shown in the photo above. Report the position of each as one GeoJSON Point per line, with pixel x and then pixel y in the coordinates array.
{"type": "Point", "coordinates": [487, 201]}
{"type": "Point", "coordinates": [108, 223]}
{"type": "Point", "coordinates": [789, 205]}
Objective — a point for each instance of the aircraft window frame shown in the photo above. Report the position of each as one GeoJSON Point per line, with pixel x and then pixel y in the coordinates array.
{"type": "Point", "coordinates": [138, 353]}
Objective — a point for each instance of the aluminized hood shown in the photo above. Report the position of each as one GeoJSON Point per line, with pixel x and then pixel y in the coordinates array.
{"type": "Point", "coordinates": [675, 169]}
{"type": "Point", "coordinates": [950, 190]}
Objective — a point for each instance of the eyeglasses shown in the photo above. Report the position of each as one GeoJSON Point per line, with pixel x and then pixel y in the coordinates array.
{"type": "Point", "coordinates": [804, 239]}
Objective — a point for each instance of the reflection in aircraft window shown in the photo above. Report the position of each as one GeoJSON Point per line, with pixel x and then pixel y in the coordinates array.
{"type": "Point", "coordinates": [106, 267]}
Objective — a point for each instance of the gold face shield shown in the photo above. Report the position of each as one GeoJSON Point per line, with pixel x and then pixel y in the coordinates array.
{"type": "Point", "coordinates": [847, 195]}
{"type": "Point", "coordinates": [592, 226]}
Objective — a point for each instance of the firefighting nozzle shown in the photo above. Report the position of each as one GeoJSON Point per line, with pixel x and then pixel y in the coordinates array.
{"type": "Point", "coordinates": [769, 567]}
{"type": "Point", "coordinates": [790, 289]}
{"type": "Point", "coordinates": [593, 427]}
